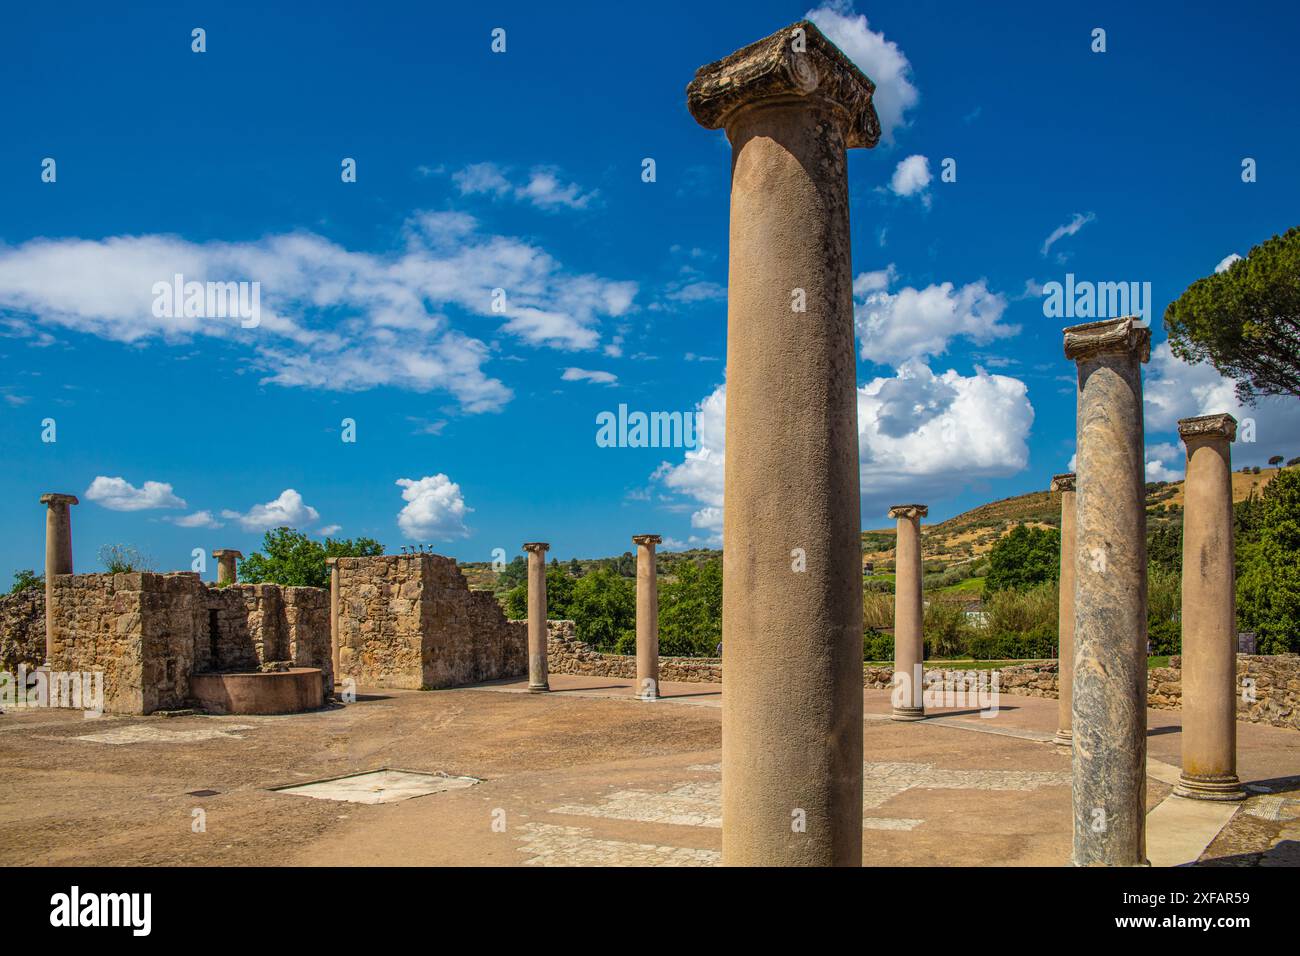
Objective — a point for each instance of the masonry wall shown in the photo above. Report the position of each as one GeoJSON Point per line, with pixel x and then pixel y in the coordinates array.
{"type": "Point", "coordinates": [568, 655]}
{"type": "Point", "coordinates": [411, 621]}
{"type": "Point", "coordinates": [22, 630]}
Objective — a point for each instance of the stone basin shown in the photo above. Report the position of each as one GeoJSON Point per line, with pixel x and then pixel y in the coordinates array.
{"type": "Point", "coordinates": [278, 692]}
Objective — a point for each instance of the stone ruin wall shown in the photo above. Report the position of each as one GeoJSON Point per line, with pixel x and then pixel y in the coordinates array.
{"type": "Point", "coordinates": [411, 621]}
{"type": "Point", "coordinates": [567, 655]}
{"type": "Point", "coordinates": [22, 630]}
{"type": "Point", "coordinates": [149, 632]}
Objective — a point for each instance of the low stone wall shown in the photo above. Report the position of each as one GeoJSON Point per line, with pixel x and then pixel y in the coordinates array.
{"type": "Point", "coordinates": [22, 630]}
{"type": "Point", "coordinates": [568, 655]}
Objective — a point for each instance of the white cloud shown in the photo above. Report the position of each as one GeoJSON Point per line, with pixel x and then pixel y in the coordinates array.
{"type": "Point", "coordinates": [286, 511]}
{"type": "Point", "coordinates": [542, 187]}
{"type": "Point", "coordinates": [1077, 222]}
{"type": "Point", "coordinates": [698, 292]}
{"type": "Point", "coordinates": [329, 529]}
{"type": "Point", "coordinates": [199, 519]}
{"type": "Point", "coordinates": [117, 494]}
{"type": "Point", "coordinates": [1172, 389]}
{"type": "Point", "coordinates": [912, 177]}
{"type": "Point", "coordinates": [895, 327]}
{"type": "Point", "coordinates": [1159, 458]}
{"type": "Point", "coordinates": [883, 62]}
{"type": "Point", "coordinates": [331, 318]}
{"type": "Point", "coordinates": [587, 375]}
{"type": "Point", "coordinates": [434, 509]}
{"type": "Point", "coordinates": [1226, 262]}
{"type": "Point", "coordinates": [919, 434]}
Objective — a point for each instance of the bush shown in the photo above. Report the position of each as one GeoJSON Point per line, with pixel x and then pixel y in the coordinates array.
{"type": "Point", "coordinates": [123, 559]}
{"type": "Point", "coordinates": [690, 610]}
{"type": "Point", "coordinates": [1023, 559]}
{"type": "Point", "coordinates": [1003, 645]}
{"type": "Point", "coordinates": [27, 579]}
{"type": "Point", "coordinates": [1032, 612]}
{"type": "Point", "coordinates": [1164, 610]}
{"type": "Point", "coordinates": [945, 629]}
{"type": "Point", "coordinates": [877, 646]}
{"type": "Point", "coordinates": [603, 609]}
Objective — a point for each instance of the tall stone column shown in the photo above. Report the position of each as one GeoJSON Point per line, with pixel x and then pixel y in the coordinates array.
{"type": "Point", "coordinates": [1065, 613]}
{"type": "Point", "coordinates": [791, 104]}
{"type": "Point", "coordinates": [226, 558]}
{"type": "Point", "coordinates": [333, 564]}
{"type": "Point", "coordinates": [58, 555]}
{"type": "Point", "coordinates": [647, 617]}
{"type": "Point", "coordinates": [538, 680]}
{"type": "Point", "coordinates": [1209, 613]}
{"type": "Point", "coordinates": [1109, 722]}
{"type": "Point", "coordinates": [909, 615]}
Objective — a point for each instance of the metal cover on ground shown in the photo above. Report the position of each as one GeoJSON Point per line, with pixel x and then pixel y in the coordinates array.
{"type": "Point", "coordinates": [380, 786]}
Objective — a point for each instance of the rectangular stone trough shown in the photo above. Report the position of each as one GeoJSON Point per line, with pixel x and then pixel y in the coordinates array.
{"type": "Point", "coordinates": [278, 692]}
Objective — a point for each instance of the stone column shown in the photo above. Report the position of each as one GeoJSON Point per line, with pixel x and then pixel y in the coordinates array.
{"type": "Point", "coordinates": [538, 680]}
{"type": "Point", "coordinates": [647, 617]}
{"type": "Point", "coordinates": [226, 558]}
{"type": "Point", "coordinates": [1109, 718]}
{"type": "Point", "coordinates": [333, 565]}
{"type": "Point", "coordinates": [58, 555]}
{"type": "Point", "coordinates": [791, 104]}
{"type": "Point", "coordinates": [1065, 613]}
{"type": "Point", "coordinates": [909, 615]}
{"type": "Point", "coordinates": [1209, 614]}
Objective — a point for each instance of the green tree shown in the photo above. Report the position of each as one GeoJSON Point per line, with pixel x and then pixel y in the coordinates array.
{"type": "Point", "coordinates": [1268, 582]}
{"type": "Point", "coordinates": [559, 595]}
{"type": "Point", "coordinates": [1025, 557]}
{"type": "Point", "coordinates": [603, 609]}
{"type": "Point", "coordinates": [295, 560]}
{"type": "Point", "coordinates": [690, 610]}
{"type": "Point", "coordinates": [1245, 320]}
{"type": "Point", "coordinates": [1276, 462]}
{"type": "Point", "coordinates": [1165, 547]}
{"type": "Point", "coordinates": [25, 579]}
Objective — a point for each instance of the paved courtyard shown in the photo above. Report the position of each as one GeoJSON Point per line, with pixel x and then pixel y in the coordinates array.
{"type": "Point", "coordinates": [583, 775]}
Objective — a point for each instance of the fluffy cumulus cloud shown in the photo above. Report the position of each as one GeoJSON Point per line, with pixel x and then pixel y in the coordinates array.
{"type": "Point", "coordinates": [919, 434]}
{"type": "Point", "coordinates": [1164, 462]}
{"type": "Point", "coordinates": [541, 186]}
{"type": "Point", "coordinates": [287, 511]}
{"type": "Point", "coordinates": [117, 494]}
{"type": "Point", "coordinates": [434, 510]}
{"type": "Point", "coordinates": [895, 327]}
{"type": "Point", "coordinates": [1172, 389]}
{"type": "Point", "coordinates": [883, 62]}
{"type": "Point", "coordinates": [912, 178]}
{"type": "Point", "coordinates": [329, 317]}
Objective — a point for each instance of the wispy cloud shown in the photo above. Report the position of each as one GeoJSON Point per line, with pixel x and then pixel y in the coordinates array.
{"type": "Point", "coordinates": [1077, 222]}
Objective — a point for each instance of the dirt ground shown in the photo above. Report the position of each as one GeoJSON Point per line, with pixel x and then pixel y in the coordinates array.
{"type": "Point", "coordinates": [583, 775]}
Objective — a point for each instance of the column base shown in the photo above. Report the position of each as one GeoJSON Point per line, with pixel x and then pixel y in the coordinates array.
{"type": "Point", "coordinates": [539, 688]}
{"type": "Point", "coordinates": [1064, 739]}
{"type": "Point", "coordinates": [1225, 788]}
{"type": "Point", "coordinates": [908, 713]}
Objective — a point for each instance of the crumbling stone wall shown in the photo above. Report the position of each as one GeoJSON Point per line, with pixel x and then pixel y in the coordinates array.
{"type": "Point", "coordinates": [568, 655]}
{"type": "Point", "coordinates": [148, 633]}
{"type": "Point", "coordinates": [22, 630]}
{"type": "Point", "coordinates": [411, 621]}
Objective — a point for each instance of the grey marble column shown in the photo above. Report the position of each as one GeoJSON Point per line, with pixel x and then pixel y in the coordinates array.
{"type": "Point", "coordinates": [1209, 613]}
{"type": "Point", "coordinates": [791, 104]}
{"type": "Point", "coordinates": [58, 556]}
{"type": "Point", "coordinates": [538, 678]}
{"type": "Point", "coordinates": [1065, 613]}
{"type": "Point", "coordinates": [909, 615]}
{"type": "Point", "coordinates": [647, 617]}
{"type": "Point", "coordinates": [1110, 595]}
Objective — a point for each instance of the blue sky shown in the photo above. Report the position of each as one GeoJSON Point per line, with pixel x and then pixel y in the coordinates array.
{"type": "Point", "coordinates": [522, 170]}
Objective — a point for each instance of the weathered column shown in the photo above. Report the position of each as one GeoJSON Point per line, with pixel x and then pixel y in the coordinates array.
{"type": "Point", "coordinates": [226, 558]}
{"type": "Point", "coordinates": [647, 617]}
{"type": "Point", "coordinates": [791, 104]}
{"type": "Point", "coordinates": [1065, 613]}
{"type": "Point", "coordinates": [1109, 718]}
{"type": "Point", "coordinates": [1209, 613]}
{"type": "Point", "coordinates": [909, 615]}
{"type": "Point", "coordinates": [333, 565]}
{"type": "Point", "coordinates": [58, 555]}
{"type": "Point", "coordinates": [537, 676]}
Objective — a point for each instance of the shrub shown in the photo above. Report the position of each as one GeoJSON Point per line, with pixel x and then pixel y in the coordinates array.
{"type": "Point", "coordinates": [1024, 558]}
{"type": "Point", "coordinates": [603, 609]}
{"type": "Point", "coordinates": [877, 646]}
{"type": "Point", "coordinates": [27, 579]}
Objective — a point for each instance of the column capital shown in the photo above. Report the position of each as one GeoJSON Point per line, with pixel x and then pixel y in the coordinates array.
{"type": "Point", "coordinates": [1126, 335]}
{"type": "Point", "coordinates": [646, 539]}
{"type": "Point", "coordinates": [537, 547]}
{"type": "Point", "coordinates": [797, 62]}
{"type": "Point", "coordinates": [329, 562]}
{"type": "Point", "coordinates": [54, 498]}
{"type": "Point", "coordinates": [909, 511]}
{"type": "Point", "coordinates": [1222, 426]}
{"type": "Point", "coordinates": [220, 553]}
{"type": "Point", "coordinates": [1063, 482]}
